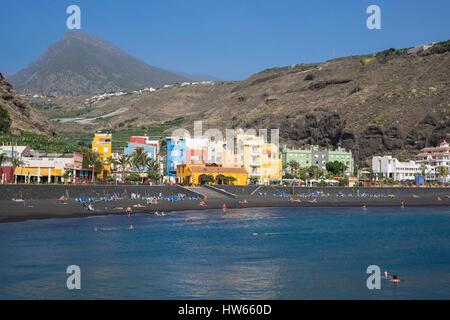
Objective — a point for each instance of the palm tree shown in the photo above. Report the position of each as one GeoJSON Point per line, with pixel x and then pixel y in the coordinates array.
{"type": "Point", "coordinates": [423, 172]}
{"type": "Point", "coordinates": [91, 159]}
{"type": "Point", "coordinates": [153, 169]}
{"type": "Point", "coordinates": [294, 166]}
{"type": "Point", "coordinates": [314, 172]}
{"type": "Point", "coordinates": [139, 159]}
{"type": "Point", "coordinates": [443, 173]}
{"type": "Point", "coordinates": [17, 163]}
{"type": "Point", "coordinates": [112, 163]}
{"type": "Point", "coordinates": [123, 162]}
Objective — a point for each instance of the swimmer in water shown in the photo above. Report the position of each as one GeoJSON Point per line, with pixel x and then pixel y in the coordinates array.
{"type": "Point", "coordinates": [402, 205]}
{"type": "Point", "coordinates": [386, 274]}
{"type": "Point", "coordinates": [129, 211]}
{"type": "Point", "coordinates": [364, 207]}
{"type": "Point", "coordinates": [394, 279]}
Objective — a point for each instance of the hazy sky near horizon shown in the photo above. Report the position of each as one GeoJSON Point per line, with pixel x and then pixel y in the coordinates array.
{"type": "Point", "coordinates": [229, 39]}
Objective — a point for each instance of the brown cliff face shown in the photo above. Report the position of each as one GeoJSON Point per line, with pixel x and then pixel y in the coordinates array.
{"type": "Point", "coordinates": [372, 105]}
{"type": "Point", "coordinates": [16, 114]}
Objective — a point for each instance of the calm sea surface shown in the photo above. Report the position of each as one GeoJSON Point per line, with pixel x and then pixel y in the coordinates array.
{"type": "Point", "coordinates": [264, 253]}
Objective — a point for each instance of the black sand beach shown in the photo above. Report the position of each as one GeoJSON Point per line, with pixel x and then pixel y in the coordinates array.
{"type": "Point", "coordinates": [41, 201]}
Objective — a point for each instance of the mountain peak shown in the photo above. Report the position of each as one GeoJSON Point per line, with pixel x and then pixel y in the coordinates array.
{"type": "Point", "coordinates": [81, 63]}
{"type": "Point", "coordinates": [91, 40]}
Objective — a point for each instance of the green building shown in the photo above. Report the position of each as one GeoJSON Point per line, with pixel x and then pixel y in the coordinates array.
{"type": "Point", "coordinates": [315, 156]}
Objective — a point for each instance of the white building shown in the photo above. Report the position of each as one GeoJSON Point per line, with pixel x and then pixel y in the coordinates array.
{"type": "Point", "coordinates": [391, 168]}
{"type": "Point", "coordinates": [436, 158]}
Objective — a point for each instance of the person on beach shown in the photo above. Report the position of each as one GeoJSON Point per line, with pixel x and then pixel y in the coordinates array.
{"type": "Point", "coordinates": [402, 205]}
{"type": "Point", "coordinates": [224, 208]}
{"type": "Point", "coordinates": [129, 211]}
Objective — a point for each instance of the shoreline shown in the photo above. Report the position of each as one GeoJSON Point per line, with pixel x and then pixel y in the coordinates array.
{"type": "Point", "coordinates": [51, 209]}
{"type": "Point", "coordinates": [21, 203]}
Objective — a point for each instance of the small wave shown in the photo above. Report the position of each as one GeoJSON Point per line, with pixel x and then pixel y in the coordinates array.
{"type": "Point", "coordinates": [108, 229]}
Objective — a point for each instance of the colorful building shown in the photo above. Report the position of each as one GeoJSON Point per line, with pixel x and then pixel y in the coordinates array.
{"type": "Point", "coordinates": [176, 154]}
{"type": "Point", "coordinates": [260, 159]}
{"type": "Point", "coordinates": [102, 144]}
{"type": "Point", "coordinates": [194, 174]}
{"type": "Point", "coordinates": [182, 150]}
{"type": "Point", "coordinates": [151, 147]}
{"type": "Point", "coordinates": [271, 164]}
{"type": "Point", "coordinates": [316, 156]}
{"type": "Point", "coordinates": [11, 152]}
{"type": "Point", "coordinates": [52, 168]}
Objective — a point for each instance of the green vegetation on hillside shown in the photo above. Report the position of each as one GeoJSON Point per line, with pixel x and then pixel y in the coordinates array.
{"type": "Point", "coordinates": [121, 136]}
{"type": "Point", "coordinates": [386, 55]}
{"type": "Point", "coordinates": [40, 142]}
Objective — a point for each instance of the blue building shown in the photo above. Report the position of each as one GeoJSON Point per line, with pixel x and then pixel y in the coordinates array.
{"type": "Point", "coordinates": [176, 154]}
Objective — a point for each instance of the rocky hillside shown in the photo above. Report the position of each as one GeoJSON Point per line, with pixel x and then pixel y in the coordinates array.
{"type": "Point", "coordinates": [16, 114]}
{"type": "Point", "coordinates": [83, 64]}
{"type": "Point", "coordinates": [393, 101]}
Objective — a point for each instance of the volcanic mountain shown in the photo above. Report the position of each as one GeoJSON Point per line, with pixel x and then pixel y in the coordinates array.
{"type": "Point", "coordinates": [83, 64]}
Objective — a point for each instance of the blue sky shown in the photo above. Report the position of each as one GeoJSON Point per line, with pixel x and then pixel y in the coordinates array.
{"type": "Point", "coordinates": [229, 39]}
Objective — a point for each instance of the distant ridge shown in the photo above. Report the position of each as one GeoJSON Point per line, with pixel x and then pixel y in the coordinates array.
{"type": "Point", "coordinates": [84, 64]}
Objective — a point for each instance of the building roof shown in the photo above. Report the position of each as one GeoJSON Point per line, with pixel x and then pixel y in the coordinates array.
{"type": "Point", "coordinates": [432, 154]}
{"type": "Point", "coordinates": [223, 170]}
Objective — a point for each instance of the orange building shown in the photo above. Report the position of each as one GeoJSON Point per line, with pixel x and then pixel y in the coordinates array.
{"type": "Point", "coordinates": [197, 174]}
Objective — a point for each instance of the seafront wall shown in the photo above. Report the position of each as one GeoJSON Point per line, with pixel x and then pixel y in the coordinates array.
{"type": "Point", "coordinates": [270, 191]}
{"type": "Point", "coordinates": [38, 192]}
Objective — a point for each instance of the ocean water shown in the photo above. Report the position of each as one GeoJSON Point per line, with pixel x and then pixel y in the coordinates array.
{"type": "Point", "coordinates": [260, 253]}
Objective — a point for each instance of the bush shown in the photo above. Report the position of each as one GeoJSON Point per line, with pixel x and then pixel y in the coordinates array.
{"type": "Point", "coordinates": [386, 55]}
{"type": "Point", "coordinates": [133, 177]}
{"type": "Point", "coordinates": [366, 60]}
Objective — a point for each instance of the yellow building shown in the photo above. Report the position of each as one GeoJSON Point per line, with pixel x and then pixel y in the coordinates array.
{"type": "Point", "coordinates": [194, 174]}
{"type": "Point", "coordinates": [102, 144]}
{"type": "Point", "coordinates": [271, 163]}
{"type": "Point", "coordinates": [261, 160]}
